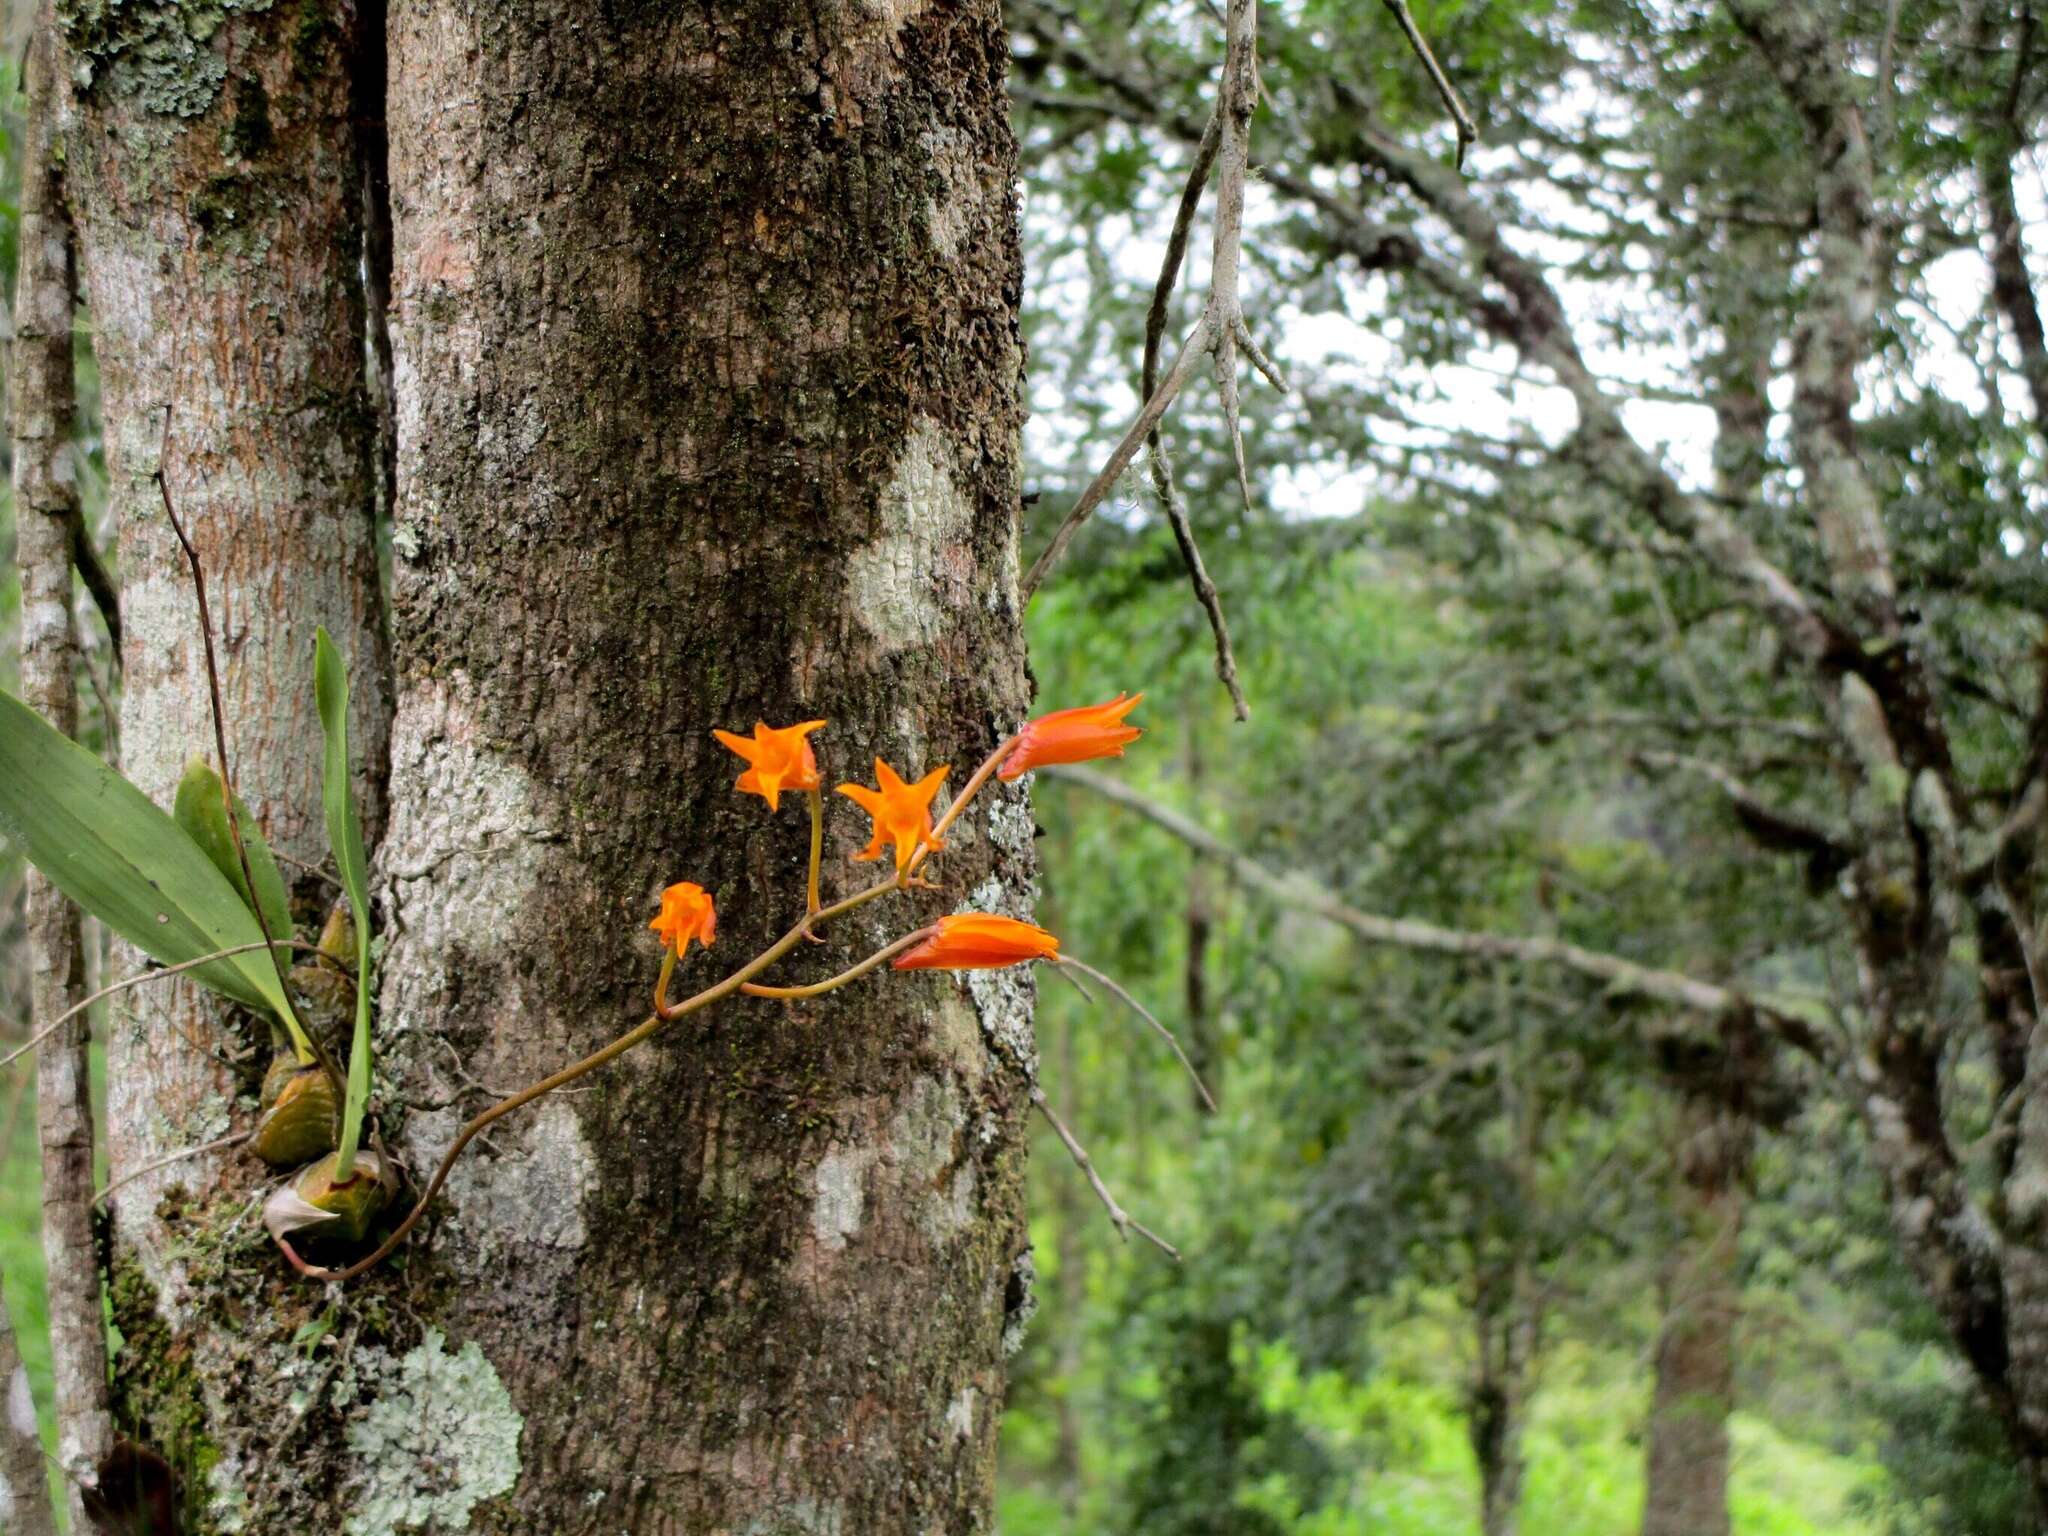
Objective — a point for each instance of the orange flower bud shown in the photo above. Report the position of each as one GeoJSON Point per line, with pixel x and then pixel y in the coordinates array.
{"type": "Point", "coordinates": [902, 812]}
{"type": "Point", "coordinates": [778, 757]}
{"type": "Point", "coordinates": [979, 941]}
{"type": "Point", "coordinates": [686, 914]}
{"type": "Point", "coordinates": [1073, 736]}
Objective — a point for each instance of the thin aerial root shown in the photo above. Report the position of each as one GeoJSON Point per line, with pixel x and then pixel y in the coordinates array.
{"type": "Point", "coordinates": [1118, 1216]}
{"type": "Point", "coordinates": [1147, 1015]}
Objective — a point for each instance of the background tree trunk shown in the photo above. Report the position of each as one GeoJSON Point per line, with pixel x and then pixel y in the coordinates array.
{"type": "Point", "coordinates": [43, 403]}
{"type": "Point", "coordinates": [707, 379]}
{"type": "Point", "coordinates": [1686, 1491]}
{"type": "Point", "coordinates": [24, 1490]}
{"type": "Point", "coordinates": [215, 177]}
{"type": "Point", "coordinates": [1506, 1320]}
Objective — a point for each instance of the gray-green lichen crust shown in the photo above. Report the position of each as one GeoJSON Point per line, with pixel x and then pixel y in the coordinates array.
{"type": "Point", "coordinates": [438, 1438]}
{"type": "Point", "coordinates": [160, 53]}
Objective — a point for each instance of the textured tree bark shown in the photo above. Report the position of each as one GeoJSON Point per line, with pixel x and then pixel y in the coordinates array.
{"type": "Point", "coordinates": [24, 1495]}
{"type": "Point", "coordinates": [1686, 1492]}
{"type": "Point", "coordinates": [707, 365]}
{"type": "Point", "coordinates": [43, 402]}
{"type": "Point", "coordinates": [213, 168]}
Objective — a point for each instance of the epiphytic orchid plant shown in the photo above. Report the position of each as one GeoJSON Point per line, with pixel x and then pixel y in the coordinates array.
{"type": "Point", "coordinates": [782, 760]}
{"type": "Point", "coordinates": [199, 891]}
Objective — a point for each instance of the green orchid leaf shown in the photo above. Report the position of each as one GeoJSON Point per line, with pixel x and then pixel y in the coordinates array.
{"type": "Point", "coordinates": [345, 836]}
{"type": "Point", "coordinates": [108, 847]}
{"type": "Point", "coordinates": [201, 809]}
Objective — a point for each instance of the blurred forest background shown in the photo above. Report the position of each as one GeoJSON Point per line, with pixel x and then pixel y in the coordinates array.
{"type": "Point", "coordinates": [1466, 1240]}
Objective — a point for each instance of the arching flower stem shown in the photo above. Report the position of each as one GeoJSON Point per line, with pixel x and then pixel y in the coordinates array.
{"type": "Point", "coordinates": [967, 792]}
{"type": "Point", "coordinates": [645, 1030]}
{"type": "Point", "coordinates": [851, 973]}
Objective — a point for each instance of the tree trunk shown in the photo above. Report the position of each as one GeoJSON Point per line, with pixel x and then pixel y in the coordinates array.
{"type": "Point", "coordinates": [1204, 1052]}
{"type": "Point", "coordinates": [214, 174]}
{"type": "Point", "coordinates": [706, 381]}
{"type": "Point", "coordinates": [24, 1490]}
{"type": "Point", "coordinates": [707, 375]}
{"type": "Point", "coordinates": [1686, 1491]}
{"type": "Point", "coordinates": [1506, 1320]}
{"type": "Point", "coordinates": [43, 403]}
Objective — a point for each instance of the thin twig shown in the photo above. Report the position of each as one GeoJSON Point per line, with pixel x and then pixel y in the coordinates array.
{"type": "Point", "coordinates": [1274, 374]}
{"type": "Point", "coordinates": [1162, 470]}
{"type": "Point", "coordinates": [1119, 459]}
{"type": "Point", "coordinates": [1146, 1014]}
{"type": "Point", "coordinates": [1119, 1218]}
{"type": "Point", "coordinates": [1237, 97]}
{"type": "Point", "coordinates": [314, 870]}
{"type": "Point", "coordinates": [154, 974]}
{"type": "Point", "coordinates": [1177, 248]}
{"type": "Point", "coordinates": [227, 780]}
{"type": "Point", "coordinates": [172, 1157]}
{"type": "Point", "coordinates": [1468, 131]}
{"type": "Point", "coordinates": [1060, 971]}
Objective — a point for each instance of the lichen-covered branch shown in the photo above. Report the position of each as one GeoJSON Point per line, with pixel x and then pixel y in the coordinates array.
{"type": "Point", "coordinates": [1625, 977]}
{"type": "Point", "coordinates": [1834, 330]}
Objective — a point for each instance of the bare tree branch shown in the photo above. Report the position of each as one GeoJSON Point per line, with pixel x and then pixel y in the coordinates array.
{"type": "Point", "coordinates": [1833, 333]}
{"type": "Point", "coordinates": [1162, 471]}
{"type": "Point", "coordinates": [1122, 995]}
{"type": "Point", "coordinates": [1468, 131]}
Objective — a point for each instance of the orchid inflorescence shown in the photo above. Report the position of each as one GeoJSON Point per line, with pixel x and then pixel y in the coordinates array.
{"type": "Point", "coordinates": [199, 892]}
{"type": "Point", "coordinates": [780, 760]}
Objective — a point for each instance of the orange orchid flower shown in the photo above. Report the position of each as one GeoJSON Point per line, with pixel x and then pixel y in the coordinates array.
{"type": "Point", "coordinates": [778, 758]}
{"type": "Point", "coordinates": [686, 914]}
{"type": "Point", "coordinates": [902, 812]}
{"type": "Point", "coordinates": [979, 941]}
{"type": "Point", "coordinates": [1073, 736]}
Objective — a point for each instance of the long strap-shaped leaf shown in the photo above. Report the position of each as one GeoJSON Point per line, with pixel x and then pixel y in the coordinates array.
{"type": "Point", "coordinates": [108, 847]}
{"type": "Point", "coordinates": [345, 836]}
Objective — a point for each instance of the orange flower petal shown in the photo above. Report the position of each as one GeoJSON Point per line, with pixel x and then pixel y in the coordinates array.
{"type": "Point", "coordinates": [686, 913]}
{"type": "Point", "coordinates": [902, 812]}
{"type": "Point", "coordinates": [979, 941]}
{"type": "Point", "coordinates": [778, 758]}
{"type": "Point", "coordinates": [1073, 736]}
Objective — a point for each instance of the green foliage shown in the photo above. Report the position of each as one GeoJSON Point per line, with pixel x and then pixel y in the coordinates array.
{"type": "Point", "coordinates": [200, 807]}
{"type": "Point", "coordinates": [345, 836]}
{"type": "Point", "coordinates": [107, 847]}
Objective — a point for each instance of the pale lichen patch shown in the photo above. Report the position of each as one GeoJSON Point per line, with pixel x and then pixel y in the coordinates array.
{"type": "Point", "coordinates": [960, 1413]}
{"type": "Point", "coordinates": [439, 1438]}
{"type": "Point", "coordinates": [1004, 999]}
{"type": "Point", "coordinates": [923, 1146]}
{"type": "Point", "coordinates": [903, 585]}
{"type": "Point", "coordinates": [841, 1182]}
{"type": "Point", "coordinates": [538, 1195]}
